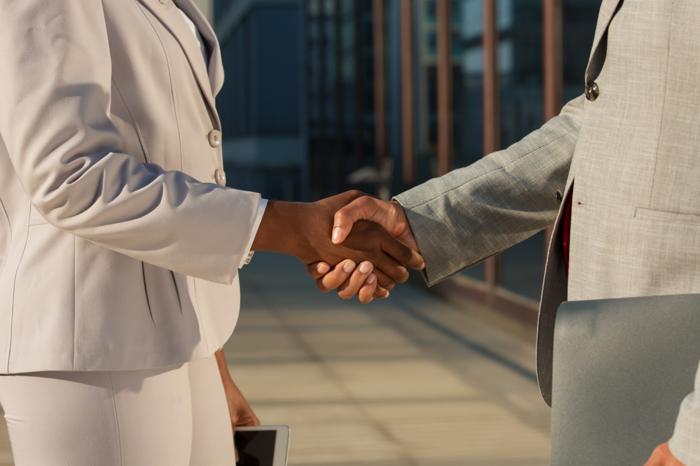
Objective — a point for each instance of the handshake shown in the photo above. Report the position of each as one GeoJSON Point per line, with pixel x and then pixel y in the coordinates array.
{"type": "Point", "coordinates": [353, 243]}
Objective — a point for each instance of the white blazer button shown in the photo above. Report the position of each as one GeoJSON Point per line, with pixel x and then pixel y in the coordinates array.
{"type": "Point", "coordinates": [220, 177]}
{"type": "Point", "coordinates": [214, 138]}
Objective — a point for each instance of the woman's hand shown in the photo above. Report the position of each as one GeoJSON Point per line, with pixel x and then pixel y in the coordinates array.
{"type": "Point", "coordinates": [242, 415]}
{"type": "Point", "coordinates": [350, 280]}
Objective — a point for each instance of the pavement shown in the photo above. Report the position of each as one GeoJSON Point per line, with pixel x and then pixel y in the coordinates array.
{"type": "Point", "coordinates": [411, 381]}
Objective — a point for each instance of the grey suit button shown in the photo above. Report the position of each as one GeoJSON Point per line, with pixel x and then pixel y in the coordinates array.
{"type": "Point", "coordinates": [592, 91]}
{"type": "Point", "coordinates": [559, 196]}
{"type": "Point", "coordinates": [220, 177]}
{"type": "Point", "coordinates": [214, 138]}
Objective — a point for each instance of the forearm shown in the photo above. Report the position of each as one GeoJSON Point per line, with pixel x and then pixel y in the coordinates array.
{"type": "Point", "coordinates": [223, 367]}
{"type": "Point", "coordinates": [477, 211]}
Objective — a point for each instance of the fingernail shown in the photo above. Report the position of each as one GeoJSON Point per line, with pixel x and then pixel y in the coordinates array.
{"type": "Point", "coordinates": [371, 279]}
{"type": "Point", "coordinates": [323, 268]}
{"type": "Point", "coordinates": [366, 267]}
{"type": "Point", "coordinates": [336, 235]}
{"type": "Point", "coordinates": [348, 266]}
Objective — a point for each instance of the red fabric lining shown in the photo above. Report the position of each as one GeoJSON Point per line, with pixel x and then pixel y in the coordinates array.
{"type": "Point", "coordinates": [566, 230]}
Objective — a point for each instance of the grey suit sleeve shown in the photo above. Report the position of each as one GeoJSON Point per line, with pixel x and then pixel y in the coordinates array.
{"type": "Point", "coordinates": [474, 212]}
{"type": "Point", "coordinates": [685, 443]}
{"type": "Point", "coordinates": [55, 124]}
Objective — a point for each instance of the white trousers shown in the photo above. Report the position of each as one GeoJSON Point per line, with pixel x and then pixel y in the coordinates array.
{"type": "Point", "coordinates": [171, 417]}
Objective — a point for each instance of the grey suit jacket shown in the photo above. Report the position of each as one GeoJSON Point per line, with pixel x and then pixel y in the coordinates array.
{"type": "Point", "coordinates": [633, 157]}
{"type": "Point", "coordinates": [118, 249]}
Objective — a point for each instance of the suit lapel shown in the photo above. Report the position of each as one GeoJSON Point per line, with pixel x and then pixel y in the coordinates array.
{"type": "Point", "coordinates": [216, 68]}
{"type": "Point", "coordinates": [168, 14]}
{"type": "Point", "coordinates": [608, 9]}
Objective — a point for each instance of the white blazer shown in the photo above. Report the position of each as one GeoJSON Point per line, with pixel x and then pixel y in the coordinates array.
{"type": "Point", "coordinates": [119, 244]}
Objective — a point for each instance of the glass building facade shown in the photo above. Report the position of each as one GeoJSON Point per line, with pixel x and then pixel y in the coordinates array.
{"type": "Point", "coordinates": [262, 101]}
{"type": "Point", "coordinates": [339, 92]}
{"type": "Point", "coordinates": [396, 87]}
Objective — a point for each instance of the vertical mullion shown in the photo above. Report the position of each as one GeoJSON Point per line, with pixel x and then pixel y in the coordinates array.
{"type": "Point", "coordinates": [491, 111]}
{"type": "Point", "coordinates": [407, 116]}
{"type": "Point", "coordinates": [379, 81]}
{"type": "Point", "coordinates": [321, 153]}
{"type": "Point", "coordinates": [338, 97]}
{"type": "Point", "coordinates": [359, 110]}
{"type": "Point", "coordinates": [444, 88]}
{"type": "Point", "coordinates": [552, 59]}
{"type": "Point", "coordinates": [552, 62]}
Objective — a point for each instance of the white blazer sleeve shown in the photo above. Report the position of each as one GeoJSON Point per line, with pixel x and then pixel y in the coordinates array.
{"type": "Point", "coordinates": [55, 123]}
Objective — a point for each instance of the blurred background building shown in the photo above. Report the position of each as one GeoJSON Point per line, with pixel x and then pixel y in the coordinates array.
{"type": "Point", "coordinates": [404, 90]}
{"type": "Point", "coordinates": [326, 95]}
{"type": "Point", "coordinates": [380, 95]}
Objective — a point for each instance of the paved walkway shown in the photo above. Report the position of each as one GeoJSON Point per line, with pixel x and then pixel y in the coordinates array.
{"type": "Point", "coordinates": [411, 381]}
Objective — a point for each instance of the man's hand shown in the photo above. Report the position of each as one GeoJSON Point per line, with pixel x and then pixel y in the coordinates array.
{"type": "Point", "coordinates": [388, 214]}
{"type": "Point", "coordinates": [344, 277]}
{"type": "Point", "coordinates": [304, 231]}
{"type": "Point", "coordinates": [242, 415]}
{"type": "Point", "coordinates": [662, 456]}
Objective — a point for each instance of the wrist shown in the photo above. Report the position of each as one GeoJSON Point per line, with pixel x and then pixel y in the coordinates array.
{"type": "Point", "coordinates": [282, 226]}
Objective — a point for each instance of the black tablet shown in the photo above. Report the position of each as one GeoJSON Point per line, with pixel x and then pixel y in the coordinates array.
{"type": "Point", "coordinates": [262, 446]}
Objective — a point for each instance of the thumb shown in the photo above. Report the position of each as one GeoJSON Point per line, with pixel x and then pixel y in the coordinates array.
{"type": "Point", "coordinates": [363, 208]}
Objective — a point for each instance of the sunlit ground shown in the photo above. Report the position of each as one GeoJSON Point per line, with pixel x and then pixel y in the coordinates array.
{"type": "Point", "coordinates": [409, 381]}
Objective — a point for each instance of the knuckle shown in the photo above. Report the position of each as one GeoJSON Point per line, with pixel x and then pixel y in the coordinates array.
{"type": "Point", "coordinates": [341, 217]}
{"type": "Point", "coordinates": [321, 287]}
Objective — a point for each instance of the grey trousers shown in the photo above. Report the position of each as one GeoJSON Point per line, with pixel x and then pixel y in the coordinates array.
{"type": "Point", "coordinates": [171, 417]}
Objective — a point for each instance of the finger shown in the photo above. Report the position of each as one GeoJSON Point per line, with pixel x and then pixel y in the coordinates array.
{"type": "Point", "coordinates": [366, 293]}
{"type": "Point", "coordinates": [387, 264]}
{"type": "Point", "coordinates": [247, 417]}
{"type": "Point", "coordinates": [318, 269]}
{"type": "Point", "coordinates": [336, 277]}
{"type": "Point", "coordinates": [402, 253]}
{"type": "Point", "coordinates": [363, 208]}
{"type": "Point", "coordinates": [356, 281]}
{"type": "Point", "coordinates": [380, 292]}
{"type": "Point", "coordinates": [384, 281]}
{"type": "Point", "coordinates": [247, 421]}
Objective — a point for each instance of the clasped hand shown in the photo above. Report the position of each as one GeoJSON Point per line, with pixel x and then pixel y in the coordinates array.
{"type": "Point", "coordinates": [350, 242]}
{"type": "Point", "coordinates": [364, 280]}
